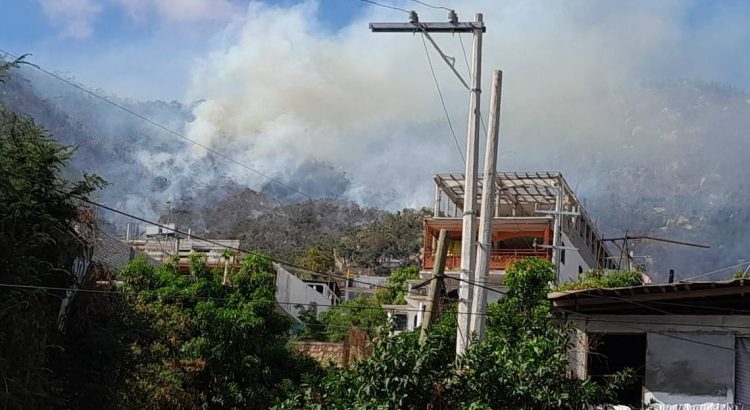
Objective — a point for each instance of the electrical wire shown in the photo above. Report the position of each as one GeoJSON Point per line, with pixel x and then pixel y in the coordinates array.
{"type": "Point", "coordinates": [164, 128]}
{"type": "Point", "coordinates": [442, 100]}
{"type": "Point", "coordinates": [481, 286]}
{"type": "Point", "coordinates": [340, 306]}
{"type": "Point", "coordinates": [386, 6]}
{"type": "Point", "coordinates": [431, 6]}
{"type": "Point", "coordinates": [138, 218]}
{"type": "Point", "coordinates": [715, 271]}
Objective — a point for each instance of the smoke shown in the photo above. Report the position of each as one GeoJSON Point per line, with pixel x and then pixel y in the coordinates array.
{"type": "Point", "coordinates": [640, 106]}
{"type": "Point", "coordinates": [590, 89]}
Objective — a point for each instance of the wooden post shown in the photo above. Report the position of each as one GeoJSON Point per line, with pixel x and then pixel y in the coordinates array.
{"type": "Point", "coordinates": [438, 272]}
{"type": "Point", "coordinates": [484, 246]}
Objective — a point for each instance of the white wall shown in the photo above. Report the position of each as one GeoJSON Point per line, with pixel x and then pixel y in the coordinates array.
{"type": "Point", "coordinates": [573, 260]}
{"type": "Point", "coordinates": [685, 367]}
{"type": "Point", "coordinates": [690, 359]}
{"type": "Point", "coordinates": [291, 289]}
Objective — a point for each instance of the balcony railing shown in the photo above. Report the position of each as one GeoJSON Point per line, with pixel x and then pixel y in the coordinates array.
{"type": "Point", "coordinates": [499, 258]}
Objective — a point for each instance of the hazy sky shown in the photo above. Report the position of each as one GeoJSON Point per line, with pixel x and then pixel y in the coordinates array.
{"type": "Point", "coordinates": [135, 48]}
{"type": "Point", "coordinates": [148, 48]}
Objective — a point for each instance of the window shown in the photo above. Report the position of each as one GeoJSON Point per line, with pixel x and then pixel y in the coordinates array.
{"type": "Point", "coordinates": [562, 252]}
{"type": "Point", "coordinates": [399, 322]}
{"type": "Point", "coordinates": [610, 353]}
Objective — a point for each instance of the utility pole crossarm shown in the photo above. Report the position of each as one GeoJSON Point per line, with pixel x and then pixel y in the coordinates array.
{"type": "Point", "coordinates": [438, 27]}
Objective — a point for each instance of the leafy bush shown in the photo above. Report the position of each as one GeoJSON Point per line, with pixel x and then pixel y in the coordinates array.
{"type": "Point", "coordinates": [205, 345]}
{"type": "Point", "coordinates": [395, 293]}
{"type": "Point", "coordinates": [362, 311]}
{"type": "Point", "coordinates": [603, 279]}
{"type": "Point", "coordinates": [521, 364]}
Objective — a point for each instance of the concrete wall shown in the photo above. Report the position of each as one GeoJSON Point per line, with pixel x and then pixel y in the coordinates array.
{"type": "Point", "coordinates": [291, 289]}
{"type": "Point", "coordinates": [681, 367]}
{"type": "Point", "coordinates": [574, 259]}
{"type": "Point", "coordinates": [690, 359]}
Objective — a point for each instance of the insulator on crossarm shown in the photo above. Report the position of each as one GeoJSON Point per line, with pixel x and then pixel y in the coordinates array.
{"type": "Point", "coordinates": [453, 17]}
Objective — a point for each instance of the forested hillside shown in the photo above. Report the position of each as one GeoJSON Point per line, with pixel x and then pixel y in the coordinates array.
{"type": "Point", "coordinates": [667, 163]}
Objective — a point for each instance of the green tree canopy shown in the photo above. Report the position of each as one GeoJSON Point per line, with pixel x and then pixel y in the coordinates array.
{"type": "Point", "coordinates": [38, 244]}
{"type": "Point", "coordinates": [521, 364]}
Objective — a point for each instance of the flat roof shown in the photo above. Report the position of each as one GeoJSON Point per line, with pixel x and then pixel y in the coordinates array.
{"type": "Point", "coordinates": [709, 298]}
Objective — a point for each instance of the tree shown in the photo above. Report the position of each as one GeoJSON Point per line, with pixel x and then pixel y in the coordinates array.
{"type": "Point", "coordinates": [318, 259]}
{"type": "Point", "coordinates": [37, 247]}
{"type": "Point", "coordinates": [313, 328]}
{"type": "Point", "coordinates": [522, 363]}
{"type": "Point", "coordinates": [395, 292]}
{"type": "Point", "coordinates": [208, 345]}
{"type": "Point", "coordinates": [362, 311]}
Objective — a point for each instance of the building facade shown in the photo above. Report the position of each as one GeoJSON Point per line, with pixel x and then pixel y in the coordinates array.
{"type": "Point", "coordinates": [688, 343]}
{"type": "Point", "coordinates": [535, 214]}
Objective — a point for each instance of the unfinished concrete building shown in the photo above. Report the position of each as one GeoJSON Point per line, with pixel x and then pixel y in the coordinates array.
{"type": "Point", "coordinates": [535, 214]}
{"type": "Point", "coordinates": [163, 244]}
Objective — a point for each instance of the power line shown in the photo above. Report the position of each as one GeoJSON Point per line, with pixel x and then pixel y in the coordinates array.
{"type": "Point", "coordinates": [715, 271]}
{"type": "Point", "coordinates": [442, 100]}
{"type": "Point", "coordinates": [164, 128]}
{"type": "Point", "coordinates": [138, 218]}
{"type": "Point", "coordinates": [581, 319]}
{"type": "Point", "coordinates": [481, 286]}
{"type": "Point", "coordinates": [386, 6]}
{"type": "Point", "coordinates": [431, 6]}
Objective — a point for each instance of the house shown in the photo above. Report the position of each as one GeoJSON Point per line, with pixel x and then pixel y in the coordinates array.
{"type": "Point", "coordinates": [294, 294]}
{"type": "Point", "coordinates": [363, 285]}
{"type": "Point", "coordinates": [689, 343]}
{"type": "Point", "coordinates": [163, 244]}
{"type": "Point", "coordinates": [531, 208]}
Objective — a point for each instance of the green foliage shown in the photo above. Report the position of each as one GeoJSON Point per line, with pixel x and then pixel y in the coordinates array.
{"type": "Point", "coordinates": [521, 364]}
{"type": "Point", "coordinates": [6, 66]}
{"type": "Point", "coordinates": [313, 328]}
{"type": "Point", "coordinates": [362, 311]}
{"type": "Point", "coordinates": [37, 247]}
{"type": "Point", "coordinates": [207, 345]}
{"type": "Point", "coordinates": [395, 293]}
{"type": "Point", "coordinates": [317, 259]}
{"type": "Point", "coordinates": [396, 236]}
{"type": "Point", "coordinates": [400, 374]}
{"type": "Point", "coordinates": [603, 279]}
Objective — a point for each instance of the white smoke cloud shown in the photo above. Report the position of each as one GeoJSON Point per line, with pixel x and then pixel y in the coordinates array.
{"type": "Point", "coordinates": [75, 17]}
{"type": "Point", "coordinates": [280, 86]}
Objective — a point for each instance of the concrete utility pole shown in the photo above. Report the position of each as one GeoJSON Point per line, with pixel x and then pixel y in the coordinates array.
{"type": "Point", "coordinates": [484, 246]}
{"type": "Point", "coordinates": [557, 229]}
{"type": "Point", "coordinates": [468, 251]}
